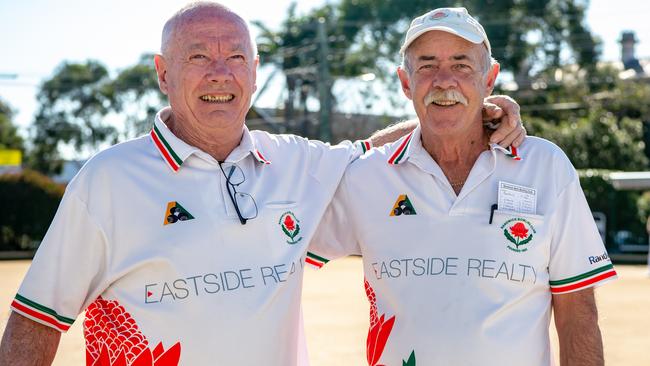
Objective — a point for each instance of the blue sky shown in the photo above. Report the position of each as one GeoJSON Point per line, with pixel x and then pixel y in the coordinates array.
{"type": "Point", "coordinates": [37, 35]}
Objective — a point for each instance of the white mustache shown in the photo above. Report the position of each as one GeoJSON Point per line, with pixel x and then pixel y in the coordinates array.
{"type": "Point", "coordinates": [445, 96]}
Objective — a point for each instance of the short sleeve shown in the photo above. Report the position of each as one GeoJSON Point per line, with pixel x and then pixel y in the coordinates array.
{"type": "Point", "coordinates": [67, 270]}
{"type": "Point", "coordinates": [578, 257]}
{"type": "Point", "coordinates": [336, 235]}
{"type": "Point", "coordinates": [328, 162]}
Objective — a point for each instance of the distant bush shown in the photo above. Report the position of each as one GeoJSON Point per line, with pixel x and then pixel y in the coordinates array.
{"type": "Point", "coordinates": [625, 210]}
{"type": "Point", "coordinates": [29, 201]}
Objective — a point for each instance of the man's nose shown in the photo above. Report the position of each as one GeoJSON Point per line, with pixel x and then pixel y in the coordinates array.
{"type": "Point", "coordinates": [444, 79]}
{"type": "Point", "coordinates": [219, 72]}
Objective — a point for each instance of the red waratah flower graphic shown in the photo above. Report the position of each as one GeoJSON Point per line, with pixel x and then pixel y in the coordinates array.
{"type": "Point", "coordinates": [114, 339]}
{"type": "Point", "coordinates": [519, 230]}
{"type": "Point", "coordinates": [379, 329]}
{"type": "Point", "coordinates": [289, 223]}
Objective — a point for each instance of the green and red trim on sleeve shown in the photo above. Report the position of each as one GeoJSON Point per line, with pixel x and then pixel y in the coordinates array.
{"type": "Point", "coordinates": [40, 313]}
{"type": "Point", "coordinates": [315, 260]}
{"type": "Point", "coordinates": [398, 155]}
{"type": "Point", "coordinates": [165, 149]}
{"type": "Point", "coordinates": [584, 280]}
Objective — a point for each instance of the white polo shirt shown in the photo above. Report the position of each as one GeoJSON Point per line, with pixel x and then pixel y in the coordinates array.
{"type": "Point", "coordinates": [198, 288]}
{"type": "Point", "coordinates": [446, 286]}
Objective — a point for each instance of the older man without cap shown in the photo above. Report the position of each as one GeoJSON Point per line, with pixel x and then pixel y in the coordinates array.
{"type": "Point", "coordinates": [185, 246]}
{"type": "Point", "coordinates": [466, 246]}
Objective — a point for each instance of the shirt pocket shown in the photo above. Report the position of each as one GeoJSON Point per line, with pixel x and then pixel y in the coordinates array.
{"type": "Point", "coordinates": [521, 232]}
{"type": "Point", "coordinates": [283, 223]}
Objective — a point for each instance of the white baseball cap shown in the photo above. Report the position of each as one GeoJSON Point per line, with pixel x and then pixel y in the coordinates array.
{"type": "Point", "coordinates": [456, 21]}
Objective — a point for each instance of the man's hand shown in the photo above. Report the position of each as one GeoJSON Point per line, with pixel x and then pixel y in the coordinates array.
{"type": "Point", "coordinates": [576, 321]}
{"type": "Point", "coordinates": [506, 110]}
{"type": "Point", "coordinates": [28, 343]}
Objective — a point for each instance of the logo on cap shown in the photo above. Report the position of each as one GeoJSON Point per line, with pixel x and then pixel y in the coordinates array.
{"type": "Point", "coordinates": [438, 15]}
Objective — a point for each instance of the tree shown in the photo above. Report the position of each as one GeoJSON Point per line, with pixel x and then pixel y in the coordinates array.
{"type": "Point", "coordinates": [137, 97]}
{"type": "Point", "coordinates": [525, 35]}
{"type": "Point", "coordinates": [297, 49]}
{"type": "Point", "coordinates": [75, 106]}
{"type": "Point", "coordinates": [72, 107]}
{"type": "Point", "coordinates": [9, 138]}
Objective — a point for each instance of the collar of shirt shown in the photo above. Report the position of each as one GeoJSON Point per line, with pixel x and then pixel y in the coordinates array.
{"type": "Point", "coordinates": [175, 151]}
{"type": "Point", "coordinates": [411, 144]}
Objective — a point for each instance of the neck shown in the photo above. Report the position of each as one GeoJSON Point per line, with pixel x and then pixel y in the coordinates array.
{"type": "Point", "coordinates": [217, 145]}
{"type": "Point", "coordinates": [456, 155]}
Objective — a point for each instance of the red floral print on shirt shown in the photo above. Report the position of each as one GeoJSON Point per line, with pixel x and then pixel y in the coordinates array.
{"type": "Point", "coordinates": [379, 331]}
{"type": "Point", "coordinates": [114, 339]}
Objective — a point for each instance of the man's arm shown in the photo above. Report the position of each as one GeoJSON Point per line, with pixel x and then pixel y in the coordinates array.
{"type": "Point", "coordinates": [576, 321]}
{"type": "Point", "coordinates": [498, 107]}
{"type": "Point", "coordinates": [28, 343]}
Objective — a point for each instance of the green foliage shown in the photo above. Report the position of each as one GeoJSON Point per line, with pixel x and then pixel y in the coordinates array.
{"type": "Point", "coordinates": [598, 141]}
{"type": "Point", "coordinates": [9, 138]}
{"type": "Point", "coordinates": [513, 27]}
{"type": "Point", "coordinates": [75, 102]}
{"type": "Point", "coordinates": [137, 96]}
{"type": "Point", "coordinates": [29, 202]}
{"type": "Point", "coordinates": [625, 210]}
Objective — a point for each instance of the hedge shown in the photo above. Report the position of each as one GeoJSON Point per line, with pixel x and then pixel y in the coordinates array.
{"type": "Point", "coordinates": [29, 201]}
{"type": "Point", "coordinates": [625, 210]}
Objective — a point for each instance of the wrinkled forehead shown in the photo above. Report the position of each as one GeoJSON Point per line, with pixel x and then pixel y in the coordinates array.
{"type": "Point", "coordinates": [210, 25]}
{"type": "Point", "coordinates": [439, 46]}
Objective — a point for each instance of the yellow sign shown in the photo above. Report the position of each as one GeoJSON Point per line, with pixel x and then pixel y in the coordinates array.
{"type": "Point", "coordinates": [11, 157]}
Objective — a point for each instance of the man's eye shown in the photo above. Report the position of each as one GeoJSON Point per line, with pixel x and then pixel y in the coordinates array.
{"type": "Point", "coordinates": [462, 67]}
{"type": "Point", "coordinates": [198, 57]}
{"type": "Point", "coordinates": [237, 57]}
{"type": "Point", "coordinates": [424, 67]}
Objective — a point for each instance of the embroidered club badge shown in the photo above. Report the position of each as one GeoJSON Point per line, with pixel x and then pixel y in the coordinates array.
{"type": "Point", "coordinates": [402, 206]}
{"type": "Point", "coordinates": [175, 212]}
{"type": "Point", "coordinates": [519, 233]}
{"type": "Point", "coordinates": [289, 224]}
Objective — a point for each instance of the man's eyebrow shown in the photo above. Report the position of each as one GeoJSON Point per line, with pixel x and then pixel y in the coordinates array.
{"type": "Point", "coordinates": [460, 57]}
{"type": "Point", "coordinates": [457, 57]}
{"type": "Point", "coordinates": [426, 58]}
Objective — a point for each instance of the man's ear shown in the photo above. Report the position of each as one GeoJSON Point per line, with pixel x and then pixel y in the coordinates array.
{"type": "Point", "coordinates": [404, 80]}
{"type": "Point", "coordinates": [161, 71]}
{"type": "Point", "coordinates": [492, 77]}
{"type": "Point", "coordinates": [256, 64]}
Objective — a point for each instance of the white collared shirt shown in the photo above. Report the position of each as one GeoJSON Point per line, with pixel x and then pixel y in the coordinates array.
{"type": "Point", "coordinates": [148, 242]}
{"type": "Point", "coordinates": [449, 281]}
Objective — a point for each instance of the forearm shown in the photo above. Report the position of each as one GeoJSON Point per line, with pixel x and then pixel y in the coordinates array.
{"type": "Point", "coordinates": [576, 321]}
{"type": "Point", "coordinates": [393, 132]}
{"type": "Point", "coordinates": [28, 343]}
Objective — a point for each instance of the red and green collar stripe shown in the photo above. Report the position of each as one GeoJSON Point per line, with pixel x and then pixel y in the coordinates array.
{"type": "Point", "coordinates": [315, 260]}
{"type": "Point", "coordinates": [165, 149]}
{"type": "Point", "coordinates": [398, 155]}
{"type": "Point", "coordinates": [365, 145]}
{"type": "Point", "coordinates": [258, 155]}
{"type": "Point", "coordinates": [512, 153]}
{"type": "Point", "coordinates": [583, 280]}
{"type": "Point", "coordinates": [40, 313]}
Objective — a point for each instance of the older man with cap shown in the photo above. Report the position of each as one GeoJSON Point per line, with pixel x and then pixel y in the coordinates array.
{"type": "Point", "coordinates": [185, 246]}
{"type": "Point", "coordinates": [466, 246]}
